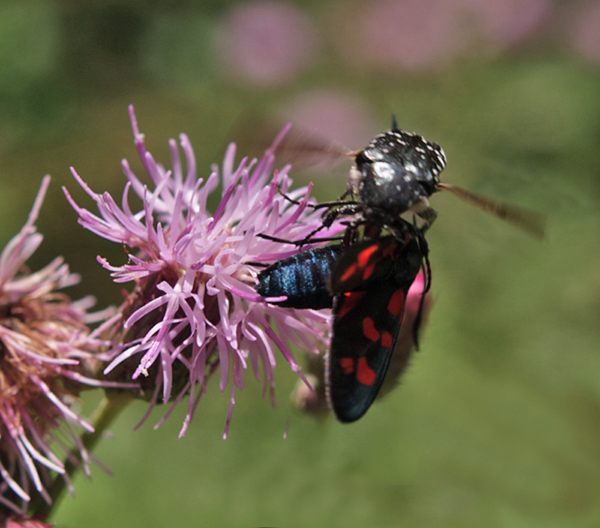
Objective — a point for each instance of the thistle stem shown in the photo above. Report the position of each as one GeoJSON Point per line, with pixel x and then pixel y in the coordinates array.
{"type": "Point", "coordinates": [110, 407]}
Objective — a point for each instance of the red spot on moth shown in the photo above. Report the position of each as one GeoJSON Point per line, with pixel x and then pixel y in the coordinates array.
{"type": "Point", "coordinates": [348, 301]}
{"type": "Point", "coordinates": [368, 271]}
{"type": "Point", "coordinates": [347, 364]}
{"type": "Point", "coordinates": [348, 273]}
{"type": "Point", "coordinates": [386, 340]}
{"type": "Point", "coordinates": [364, 373]}
{"type": "Point", "coordinates": [364, 256]}
{"type": "Point", "coordinates": [396, 303]}
{"type": "Point", "coordinates": [369, 330]}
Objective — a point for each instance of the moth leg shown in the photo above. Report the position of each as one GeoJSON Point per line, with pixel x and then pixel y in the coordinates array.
{"type": "Point", "coordinates": [423, 210]}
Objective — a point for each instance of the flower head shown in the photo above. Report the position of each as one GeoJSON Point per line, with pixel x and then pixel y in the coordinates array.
{"type": "Point", "coordinates": [46, 354]}
{"type": "Point", "coordinates": [194, 310]}
{"type": "Point", "coordinates": [266, 42]}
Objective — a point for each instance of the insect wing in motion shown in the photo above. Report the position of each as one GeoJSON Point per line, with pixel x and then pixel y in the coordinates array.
{"type": "Point", "coordinates": [370, 283]}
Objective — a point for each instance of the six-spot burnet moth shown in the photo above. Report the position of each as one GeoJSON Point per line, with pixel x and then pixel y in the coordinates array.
{"type": "Point", "coordinates": [366, 284]}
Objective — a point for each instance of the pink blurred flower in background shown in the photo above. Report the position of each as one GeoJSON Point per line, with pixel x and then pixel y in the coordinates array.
{"type": "Point", "coordinates": [421, 35]}
{"type": "Point", "coordinates": [583, 33]}
{"type": "Point", "coordinates": [504, 23]}
{"type": "Point", "coordinates": [194, 309]}
{"type": "Point", "coordinates": [334, 115]}
{"type": "Point", "coordinates": [47, 355]}
{"type": "Point", "coordinates": [267, 42]}
{"type": "Point", "coordinates": [411, 34]}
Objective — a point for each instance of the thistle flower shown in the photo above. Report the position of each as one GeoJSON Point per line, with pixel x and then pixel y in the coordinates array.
{"type": "Point", "coordinates": [46, 351]}
{"type": "Point", "coordinates": [194, 310]}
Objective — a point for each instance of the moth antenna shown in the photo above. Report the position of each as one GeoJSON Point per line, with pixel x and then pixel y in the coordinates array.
{"type": "Point", "coordinates": [530, 221]}
{"type": "Point", "coordinates": [394, 122]}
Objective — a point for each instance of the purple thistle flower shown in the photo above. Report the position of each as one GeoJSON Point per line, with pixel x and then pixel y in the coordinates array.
{"type": "Point", "coordinates": [194, 309]}
{"type": "Point", "coordinates": [46, 357]}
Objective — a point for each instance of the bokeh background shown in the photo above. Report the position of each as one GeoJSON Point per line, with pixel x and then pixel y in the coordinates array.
{"type": "Point", "coordinates": [497, 421]}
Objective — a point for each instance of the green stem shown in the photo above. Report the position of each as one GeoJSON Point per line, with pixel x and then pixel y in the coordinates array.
{"type": "Point", "coordinates": [110, 407]}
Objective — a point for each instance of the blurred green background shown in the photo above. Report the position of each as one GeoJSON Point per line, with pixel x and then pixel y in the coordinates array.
{"type": "Point", "coordinates": [497, 421]}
